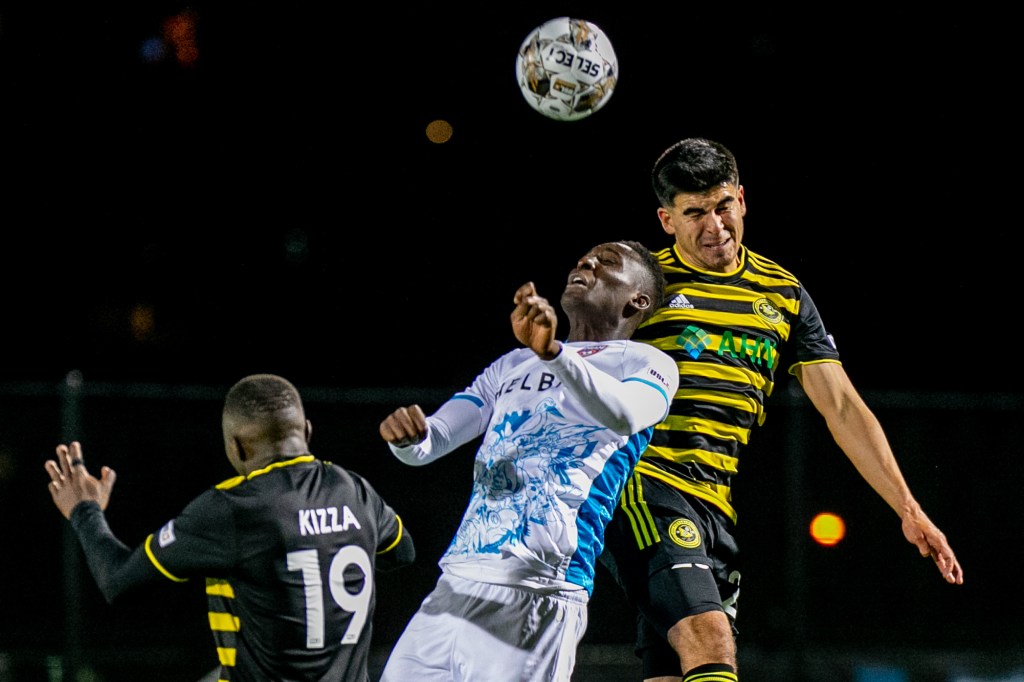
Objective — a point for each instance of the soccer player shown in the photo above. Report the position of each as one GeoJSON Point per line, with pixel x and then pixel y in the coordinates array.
{"type": "Point", "coordinates": [731, 319]}
{"type": "Point", "coordinates": [563, 424]}
{"type": "Point", "coordinates": [288, 548]}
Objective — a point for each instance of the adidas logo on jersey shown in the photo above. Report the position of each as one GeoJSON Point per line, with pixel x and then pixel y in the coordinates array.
{"type": "Point", "coordinates": [679, 301]}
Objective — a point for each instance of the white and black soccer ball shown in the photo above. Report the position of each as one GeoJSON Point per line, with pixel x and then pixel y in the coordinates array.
{"type": "Point", "coordinates": [567, 68]}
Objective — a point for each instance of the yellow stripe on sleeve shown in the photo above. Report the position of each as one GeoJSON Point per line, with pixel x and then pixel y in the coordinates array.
{"type": "Point", "coordinates": [159, 567]}
{"type": "Point", "coordinates": [398, 538]}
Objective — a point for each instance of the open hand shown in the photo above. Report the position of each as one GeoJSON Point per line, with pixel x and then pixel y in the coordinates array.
{"type": "Point", "coordinates": [931, 542]}
{"type": "Point", "coordinates": [71, 483]}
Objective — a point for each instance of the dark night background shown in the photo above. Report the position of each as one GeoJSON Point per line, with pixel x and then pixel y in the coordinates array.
{"type": "Point", "coordinates": [275, 205]}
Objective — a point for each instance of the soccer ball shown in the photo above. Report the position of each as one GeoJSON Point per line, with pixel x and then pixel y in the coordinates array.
{"type": "Point", "coordinates": [567, 68]}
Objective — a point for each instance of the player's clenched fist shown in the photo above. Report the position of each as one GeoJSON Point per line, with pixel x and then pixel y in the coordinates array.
{"type": "Point", "coordinates": [405, 426]}
{"type": "Point", "coordinates": [534, 322]}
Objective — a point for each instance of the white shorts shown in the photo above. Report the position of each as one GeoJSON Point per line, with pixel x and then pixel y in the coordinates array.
{"type": "Point", "coordinates": [466, 631]}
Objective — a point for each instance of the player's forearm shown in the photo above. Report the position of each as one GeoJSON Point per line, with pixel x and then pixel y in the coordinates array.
{"type": "Point", "coordinates": [455, 423]}
{"type": "Point", "coordinates": [862, 439]}
{"type": "Point", "coordinates": [624, 407]}
{"type": "Point", "coordinates": [109, 559]}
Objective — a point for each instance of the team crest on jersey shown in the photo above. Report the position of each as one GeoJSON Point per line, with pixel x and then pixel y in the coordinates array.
{"type": "Point", "coordinates": [166, 535]}
{"type": "Point", "coordinates": [590, 350]}
{"type": "Point", "coordinates": [684, 533]}
{"type": "Point", "coordinates": [764, 309]}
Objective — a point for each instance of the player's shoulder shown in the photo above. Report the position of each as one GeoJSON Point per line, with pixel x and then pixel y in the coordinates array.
{"type": "Point", "coordinates": [642, 347]}
{"type": "Point", "coordinates": [354, 481]}
{"type": "Point", "coordinates": [650, 353]}
{"type": "Point", "coordinates": [342, 473]}
{"type": "Point", "coordinates": [767, 266]}
{"type": "Point", "coordinates": [664, 255]}
{"type": "Point", "coordinates": [513, 358]}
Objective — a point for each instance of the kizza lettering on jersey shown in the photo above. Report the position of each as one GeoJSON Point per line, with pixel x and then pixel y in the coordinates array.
{"type": "Point", "coordinates": [323, 521]}
{"type": "Point", "coordinates": [523, 384]}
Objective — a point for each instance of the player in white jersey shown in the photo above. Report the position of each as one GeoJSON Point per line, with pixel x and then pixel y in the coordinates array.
{"type": "Point", "coordinates": [563, 425]}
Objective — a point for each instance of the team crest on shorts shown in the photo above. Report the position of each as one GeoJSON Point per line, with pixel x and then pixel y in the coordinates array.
{"type": "Point", "coordinates": [684, 533]}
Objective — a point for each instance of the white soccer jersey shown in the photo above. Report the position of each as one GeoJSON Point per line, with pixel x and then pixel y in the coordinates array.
{"type": "Point", "coordinates": [560, 439]}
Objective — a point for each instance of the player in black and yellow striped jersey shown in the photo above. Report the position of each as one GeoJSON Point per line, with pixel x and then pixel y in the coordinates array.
{"type": "Point", "coordinates": [287, 549]}
{"type": "Point", "coordinates": [732, 320]}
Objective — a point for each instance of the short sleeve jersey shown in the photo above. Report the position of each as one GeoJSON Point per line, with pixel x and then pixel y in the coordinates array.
{"type": "Point", "coordinates": [288, 554]}
{"type": "Point", "coordinates": [729, 333]}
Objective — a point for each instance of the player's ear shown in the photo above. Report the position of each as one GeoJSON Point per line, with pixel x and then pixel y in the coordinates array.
{"type": "Point", "coordinates": [309, 431]}
{"type": "Point", "coordinates": [666, 221]}
{"type": "Point", "coordinates": [640, 303]}
{"type": "Point", "coordinates": [240, 450]}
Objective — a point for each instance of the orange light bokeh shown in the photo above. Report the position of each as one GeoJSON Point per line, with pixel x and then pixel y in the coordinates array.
{"type": "Point", "coordinates": [439, 131]}
{"type": "Point", "coordinates": [828, 529]}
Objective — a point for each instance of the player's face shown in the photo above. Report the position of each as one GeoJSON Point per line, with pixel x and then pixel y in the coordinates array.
{"type": "Point", "coordinates": [707, 226]}
{"type": "Point", "coordinates": [605, 279]}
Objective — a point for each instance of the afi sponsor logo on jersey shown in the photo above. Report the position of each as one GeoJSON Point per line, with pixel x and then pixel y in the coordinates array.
{"type": "Point", "coordinates": [326, 520]}
{"type": "Point", "coordinates": [693, 340]}
{"type": "Point", "coordinates": [758, 350]}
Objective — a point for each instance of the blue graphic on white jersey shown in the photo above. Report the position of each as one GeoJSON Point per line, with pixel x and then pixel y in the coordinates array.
{"type": "Point", "coordinates": [523, 479]}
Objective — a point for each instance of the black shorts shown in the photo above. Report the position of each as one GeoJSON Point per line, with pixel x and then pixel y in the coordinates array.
{"type": "Point", "coordinates": [674, 555]}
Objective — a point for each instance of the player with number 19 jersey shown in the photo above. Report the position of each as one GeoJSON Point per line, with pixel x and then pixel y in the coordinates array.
{"type": "Point", "coordinates": [288, 554]}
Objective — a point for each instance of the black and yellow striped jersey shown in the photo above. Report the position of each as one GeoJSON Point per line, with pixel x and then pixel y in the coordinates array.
{"type": "Point", "coordinates": [728, 333]}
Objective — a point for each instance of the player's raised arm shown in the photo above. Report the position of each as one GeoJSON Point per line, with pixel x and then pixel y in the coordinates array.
{"type": "Point", "coordinates": [535, 322]}
{"type": "Point", "coordinates": [859, 434]}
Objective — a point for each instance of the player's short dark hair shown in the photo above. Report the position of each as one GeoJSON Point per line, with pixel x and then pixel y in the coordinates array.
{"type": "Point", "coordinates": [258, 396]}
{"type": "Point", "coordinates": [695, 164]}
{"type": "Point", "coordinates": [653, 283]}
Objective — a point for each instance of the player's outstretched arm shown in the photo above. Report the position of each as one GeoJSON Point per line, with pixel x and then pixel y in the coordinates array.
{"type": "Point", "coordinates": [81, 498]}
{"type": "Point", "coordinates": [859, 434]}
